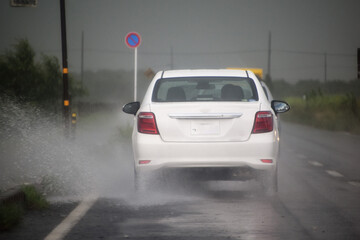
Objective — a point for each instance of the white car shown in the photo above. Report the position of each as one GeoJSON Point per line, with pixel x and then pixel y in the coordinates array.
{"type": "Point", "coordinates": [214, 124]}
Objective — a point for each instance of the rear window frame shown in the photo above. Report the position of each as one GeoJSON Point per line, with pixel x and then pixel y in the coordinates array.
{"type": "Point", "coordinates": [250, 80]}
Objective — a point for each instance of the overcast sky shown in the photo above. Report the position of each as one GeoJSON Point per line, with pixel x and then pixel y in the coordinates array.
{"type": "Point", "coordinates": [199, 33]}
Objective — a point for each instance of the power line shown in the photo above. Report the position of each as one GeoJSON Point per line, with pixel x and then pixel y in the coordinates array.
{"type": "Point", "coordinates": [227, 52]}
{"type": "Point", "coordinates": [314, 53]}
{"type": "Point", "coordinates": [167, 53]}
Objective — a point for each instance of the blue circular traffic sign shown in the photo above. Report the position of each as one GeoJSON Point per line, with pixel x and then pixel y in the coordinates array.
{"type": "Point", "coordinates": [133, 40]}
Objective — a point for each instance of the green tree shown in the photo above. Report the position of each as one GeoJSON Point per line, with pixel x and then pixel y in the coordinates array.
{"type": "Point", "coordinates": [18, 72]}
{"type": "Point", "coordinates": [49, 88]}
{"type": "Point", "coordinates": [39, 82]}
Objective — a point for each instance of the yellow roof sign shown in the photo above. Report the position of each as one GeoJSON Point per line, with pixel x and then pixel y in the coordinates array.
{"type": "Point", "coordinates": [257, 71]}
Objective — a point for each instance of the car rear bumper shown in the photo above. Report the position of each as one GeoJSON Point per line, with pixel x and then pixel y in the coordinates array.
{"type": "Point", "coordinates": [205, 154]}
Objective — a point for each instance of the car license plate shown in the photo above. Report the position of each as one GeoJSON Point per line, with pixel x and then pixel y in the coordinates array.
{"type": "Point", "coordinates": [203, 127]}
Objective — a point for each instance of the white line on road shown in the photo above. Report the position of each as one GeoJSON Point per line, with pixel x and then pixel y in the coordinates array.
{"type": "Point", "coordinates": [316, 164]}
{"type": "Point", "coordinates": [356, 184]}
{"type": "Point", "coordinates": [334, 173]}
{"type": "Point", "coordinates": [72, 219]}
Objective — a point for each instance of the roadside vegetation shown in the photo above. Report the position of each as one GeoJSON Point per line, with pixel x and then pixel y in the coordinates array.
{"type": "Point", "coordinates": [34, 200]}
{"type": "Point", "coordinates": [33, 80]}
{"type": "Point", "coordinates": [12, 212]}
{"type": "Point", "coordinates": [334, 105]}
{"type": "Point", "coordinates": [331, 112]}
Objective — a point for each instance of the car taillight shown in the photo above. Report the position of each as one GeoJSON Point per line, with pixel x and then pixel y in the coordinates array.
{"type": "Point", "coordinates": [147, 123]}
{"type": "Point", "coordinates": [263, 122]}
{"type": "Point", "coordinates": [144, 161]}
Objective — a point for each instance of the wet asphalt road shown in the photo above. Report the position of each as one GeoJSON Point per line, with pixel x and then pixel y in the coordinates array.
{"type": "Point", "coordinates": [319, 198]}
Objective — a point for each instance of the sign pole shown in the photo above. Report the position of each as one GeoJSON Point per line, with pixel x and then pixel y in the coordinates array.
{"type": "Point", "coordinates": [135, 75]}
{"type": "Point", "coordinates": [133, 40]}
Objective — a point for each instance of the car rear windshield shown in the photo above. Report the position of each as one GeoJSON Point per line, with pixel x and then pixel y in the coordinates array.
{"type": "Point", "coordinates": [193, 89]}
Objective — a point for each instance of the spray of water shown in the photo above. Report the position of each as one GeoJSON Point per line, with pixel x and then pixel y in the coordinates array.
{"type": "Point", "coordinates": [33, 149]}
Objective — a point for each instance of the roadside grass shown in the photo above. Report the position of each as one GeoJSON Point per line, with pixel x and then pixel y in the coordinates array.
{"type": "Point", "coordinates": [10, 215]}
{"type": "Point", "coordinates": [12, 212]}
{"type": "Point", "coordinates": [331, 112]}
{"type": "Point", "coordinates": [33, 199]}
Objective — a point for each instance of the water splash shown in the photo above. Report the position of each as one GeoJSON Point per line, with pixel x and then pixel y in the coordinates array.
{"type": "Point", "coordinates": [33, 150]}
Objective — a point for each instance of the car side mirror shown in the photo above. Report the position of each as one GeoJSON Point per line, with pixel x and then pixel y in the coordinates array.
{"type": "Point", "coordinates": [131, 108]}
{"type": "Point", "coordinates": [280, 106]}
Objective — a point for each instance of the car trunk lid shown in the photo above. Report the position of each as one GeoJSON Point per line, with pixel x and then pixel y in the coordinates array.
{"type": "Point", "coordinates": [205, 121]}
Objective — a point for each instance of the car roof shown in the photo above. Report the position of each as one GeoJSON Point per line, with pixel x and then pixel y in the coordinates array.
{"type": "Point", "coordinates": [205, 73]}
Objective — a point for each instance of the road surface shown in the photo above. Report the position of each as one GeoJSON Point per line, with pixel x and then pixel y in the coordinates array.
{"type": "Point", "coordinates": [319, 198]}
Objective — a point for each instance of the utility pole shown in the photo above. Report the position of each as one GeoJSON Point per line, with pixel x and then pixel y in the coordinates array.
{"type": "Point", "coordinates": [325, 67]}
{"type": "Point", "coordinates": [66, 98]}
{"type": "Point", "coordinates": [82, 60]}
{"type": "Point", "coordinates": [268, 75]}
{"type": "Point", "coordinates": [269, 57]}
{"type": "Point", "coordinates": [171, 58]}
{"type": "Point", "coordinates": [358, 63]}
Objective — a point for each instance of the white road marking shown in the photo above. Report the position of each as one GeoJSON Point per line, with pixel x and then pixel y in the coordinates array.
{"type": "Point", "coordinates": [316, 164]}
{"type": "Point", "coordinates": [334, 173]}
{"type": "Point", "coordinates": [72, 219]}
{"type": "Point", "coordinates": [356, 184]}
